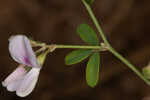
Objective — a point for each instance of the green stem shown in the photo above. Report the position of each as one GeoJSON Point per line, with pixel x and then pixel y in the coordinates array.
{"type": "Point", "coordinates": [113, 51]}
{"type": "Point", "coordinates": [52, 47]}
{"type": "Point", "coordinates": [55, 46]}
{"type": "Point", "coordinates": [126, 62]}
{"type": "Point", "coordinates": [77, 47]}
{"type": "Point", "coordinates": [95, 21]}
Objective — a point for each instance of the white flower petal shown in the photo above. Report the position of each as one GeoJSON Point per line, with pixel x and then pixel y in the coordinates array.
{"type": "Point", "coordinates": [21, 51]}
{"type": "Point", "coordinates": [15, 75]}
{"type": "Point", "coordinates": [28, 83]}
{"type": "Point", "coordinates": [13, 86]}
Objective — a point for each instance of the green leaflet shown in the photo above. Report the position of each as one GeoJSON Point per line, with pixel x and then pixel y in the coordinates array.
{"type": "Point", "coordinates": [92, 70]}
{"type": "Point", "coordinates": [77, 56]}
{"type": "Point", "coordinates": [89, 1]}
{"type": "Point", "coordinates": [87, 34]}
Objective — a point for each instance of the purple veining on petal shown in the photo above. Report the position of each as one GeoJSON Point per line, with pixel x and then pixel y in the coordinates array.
{"type": "Point", "coordinates": [27, 61]}
{"type": "Point", "coordinates": [21, 51]}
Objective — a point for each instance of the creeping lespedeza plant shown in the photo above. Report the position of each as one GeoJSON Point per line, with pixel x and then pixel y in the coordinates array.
{"type": "Point", "coordinates": [24, 78]}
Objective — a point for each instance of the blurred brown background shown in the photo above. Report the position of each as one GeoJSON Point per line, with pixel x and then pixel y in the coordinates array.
{"type": "Point", "coordinates": [126, 24]}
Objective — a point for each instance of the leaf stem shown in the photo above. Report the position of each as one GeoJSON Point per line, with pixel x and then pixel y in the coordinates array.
{"type": "Point", "coordinates": [126, 62]}
{"type": "Point", "coordinates": [55, 46]}
{"type": "Point", "coordinates": [77, 47]}
{"type": "Point", "coordinates": [112, 50]}
{"type": "Point", "coordinates": [95, 21]}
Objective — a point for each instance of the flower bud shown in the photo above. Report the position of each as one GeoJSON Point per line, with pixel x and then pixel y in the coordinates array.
{"type": "Point", "coordinates": [41, 58]}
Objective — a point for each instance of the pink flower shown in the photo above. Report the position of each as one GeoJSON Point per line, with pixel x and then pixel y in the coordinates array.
{"type": "Point", "coordinates": [24, 78]}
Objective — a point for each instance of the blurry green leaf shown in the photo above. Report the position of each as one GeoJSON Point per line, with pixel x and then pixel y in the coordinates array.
{"type": "Point", "coordinates": [146, 72]}
{"type": "Point", "coordinates": [89, 1]}
{"type": "Point", "coordinates": [92, 70]}
{"type": "Point", "coordinates": [87, 34]}
{"type": "Point", "coordinates": [77, 56]}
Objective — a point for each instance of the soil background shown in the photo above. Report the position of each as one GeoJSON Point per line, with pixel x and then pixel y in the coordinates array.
{"type": "Point", "coordinates": [125, 23]}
